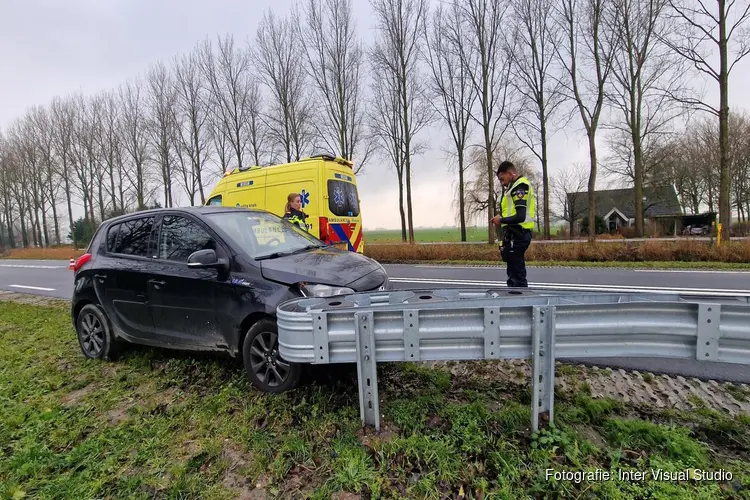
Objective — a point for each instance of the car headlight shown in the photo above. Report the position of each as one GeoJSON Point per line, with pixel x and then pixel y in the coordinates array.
{"type": "Point", "coordinates": [309, 290]}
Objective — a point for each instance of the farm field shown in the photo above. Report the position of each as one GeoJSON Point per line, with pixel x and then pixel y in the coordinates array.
{"type": "Point", "coordinates": [160, 424]}
{"type": "Point", "coordinates": [430, 235]}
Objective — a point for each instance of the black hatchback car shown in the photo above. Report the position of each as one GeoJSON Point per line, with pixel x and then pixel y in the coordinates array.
{"type": "Point", "coordinates": [207, 279]}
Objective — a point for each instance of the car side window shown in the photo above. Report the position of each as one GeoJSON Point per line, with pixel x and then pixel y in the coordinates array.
{"type": "Point", "coordinates": [134, 237]}
{"type": "Point", "coordinates": [112, 234]}
{"type": "Point", "coordinates": [215, 201]}
{"type": "Point", "coordinates": [180, 237]}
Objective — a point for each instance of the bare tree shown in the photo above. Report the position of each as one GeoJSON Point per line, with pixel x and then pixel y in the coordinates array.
{"type": "Point", "coordinates": [192, 117]}
{"type": "Point", "coordinates": [486, 57]}
{"type": "Point", "coordinates": [63, 116]}
{"type": "Point", "coordinates": [395, 56]}
{"type": "Point", "coordinates": [24, 159]}
{"type": "Point", "coordinates": [568, 188]}
{"type": "Point", "coordinates": [229, 74]}
{"type": "Point", "coordinates": [162, 101]}
{"type": "Point", "coordinates": [646, 76]}
{"type": "Point", "coordinates": [7, 199]}
{"type": "Point", "coordinates": [334, 62]}
{"type": "Point", "coordinates": [110, 143]}
{"type": "Point", "coordinates": [135, 138]}
{"type": "Point", "coordinates": [279, 56]}
{"type": "Point", "coordinates": [477, 184]}
{"type": "Point", "coordinates": [535, 41]}
{"type": "Point", "coordinates": [387, 128]}
{"type": "Point", "coordinates": [454, 94]}
{"type": "Point", "coordinates": [82, 153]}
{"type": "Point", "coordinates": [714, 25]}
{"type": "Point", "coordinates": [48, 174]}
{"type": "Point", "coordinates": [585, 22]}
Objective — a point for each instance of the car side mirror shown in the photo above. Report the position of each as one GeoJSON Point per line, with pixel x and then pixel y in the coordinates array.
{"type": "Point", "coordinates": [205, 259]}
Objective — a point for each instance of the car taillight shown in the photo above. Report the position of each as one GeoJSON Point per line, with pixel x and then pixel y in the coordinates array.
{"type": "Point", "coordinates": [324, 230]}
{"type": "Point", "coordinates": [83, 259]}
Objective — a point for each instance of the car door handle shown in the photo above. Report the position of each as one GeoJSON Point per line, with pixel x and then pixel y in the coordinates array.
{"type": "Point", "coordinates": [157, 284]}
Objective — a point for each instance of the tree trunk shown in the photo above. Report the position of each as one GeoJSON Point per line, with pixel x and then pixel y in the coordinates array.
{"type": "Point", "coordinates": [545, 176]}
{"type": "Point", "coordinates": [724, 182]}
{"type": "Point", "coordinates": [9, 225]}
{"type": "Point", "coordinates": [36, 226]}
{"type": "Point", "coordinates": [490, 195]}
{"type": "Point", "coordinates": [461, 201]}
{"type": "Point", "coordinates": [401, 203]}
{"type": "Point", "coordinates": [44, 224]}
{"type": "Point", "coordinates": [58, 241]}
{"type": "Point", "coordinates": [592, 189]}
{"type": "Point", "coordinates": [24, 233]}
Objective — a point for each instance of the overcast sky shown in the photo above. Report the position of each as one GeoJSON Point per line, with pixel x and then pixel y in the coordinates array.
{"type": "Point", "coordinates": [54, 47]}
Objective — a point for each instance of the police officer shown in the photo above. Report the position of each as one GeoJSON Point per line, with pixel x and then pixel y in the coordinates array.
{"type": "Point", "coordinates": [517, 212]}
{"type": "Point", "coordinates": [293, 211]}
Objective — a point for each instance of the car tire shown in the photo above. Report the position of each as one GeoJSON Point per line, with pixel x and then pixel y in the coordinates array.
{"type": "Point", "coordinates": [268, 372]}
{"type": "Point", "coordinates": [94, 332]}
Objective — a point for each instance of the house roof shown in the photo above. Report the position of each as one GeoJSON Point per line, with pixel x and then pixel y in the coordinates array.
{"type": "Point", "coordinates": [660, 201]}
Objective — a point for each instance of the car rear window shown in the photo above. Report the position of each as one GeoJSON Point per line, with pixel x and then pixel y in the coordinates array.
{"type": "Point", "coordinates": [133, 237]}
{"type": "Point", "coordinates": [342, 199]}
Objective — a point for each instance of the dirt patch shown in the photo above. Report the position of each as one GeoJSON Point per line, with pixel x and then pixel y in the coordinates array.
{"type": "Point", "coordinates": [345, 495]}
{"type": "Point", "coordinates": [234, 480]}
{"type": "Point", "coordinates": [118, 415]}
{"type": "Point", "coordinates": [658, 391]}
{"type": "Point", "coordinates": [368, 436]}
{"type": "Point", "coordinates": [34, 300]}
{"type": "Point", "coordinates": [74, 397]}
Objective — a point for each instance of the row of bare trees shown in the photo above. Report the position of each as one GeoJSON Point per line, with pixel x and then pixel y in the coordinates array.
{"type": "Point", "coordinates": [493, 73]}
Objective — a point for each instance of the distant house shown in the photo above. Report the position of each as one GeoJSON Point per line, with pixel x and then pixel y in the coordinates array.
{"type": "Point", "coordinates": [617, 207]}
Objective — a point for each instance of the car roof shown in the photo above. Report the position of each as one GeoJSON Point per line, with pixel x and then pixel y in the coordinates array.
{"type": "Point", "coordinates": [197, 210]}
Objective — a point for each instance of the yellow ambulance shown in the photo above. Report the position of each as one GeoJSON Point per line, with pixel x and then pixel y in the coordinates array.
{"type": "Point", "coordinates": [327, 188]}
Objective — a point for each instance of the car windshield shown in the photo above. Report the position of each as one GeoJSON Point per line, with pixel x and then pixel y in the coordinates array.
{"type": "Point", "coordinates": [263, 235]}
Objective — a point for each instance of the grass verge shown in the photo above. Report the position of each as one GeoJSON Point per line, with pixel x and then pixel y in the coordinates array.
{"type": "Point", "coordinates": [158, 424]}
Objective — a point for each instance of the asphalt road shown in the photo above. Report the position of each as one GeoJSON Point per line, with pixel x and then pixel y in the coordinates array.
{"type": "Point", "coordinates": [53, 279]}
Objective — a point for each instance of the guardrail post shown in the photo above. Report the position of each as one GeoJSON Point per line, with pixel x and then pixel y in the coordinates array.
{"type": "Point", "coordinates": [367, 371]}
{"type": "Point", "coordinates": [320, 337]}
{"type": "Point", "coordinates": [707, 343]}
{"type": "Point", "coordinates": [543, 364]}
{"type": "Point", "coordinates": [411, 335]}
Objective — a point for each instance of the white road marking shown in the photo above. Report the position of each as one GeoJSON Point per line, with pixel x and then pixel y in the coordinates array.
{"type": "Point", "coordinates": [626, 269]}
{"type": "Point", "coordinates": [25, 266]}
{"type": "Point", "coordinates": [689, 271]}
{"type": "Point", "coordinates": [581, 287]}
{"type": "Point", "coordinates": [41, 289]}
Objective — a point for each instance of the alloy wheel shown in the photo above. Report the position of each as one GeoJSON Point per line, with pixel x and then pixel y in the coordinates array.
{"type": "Point", "coordinates": [92, 335]}
{"type": "Point", "coordinates": [265, 361]}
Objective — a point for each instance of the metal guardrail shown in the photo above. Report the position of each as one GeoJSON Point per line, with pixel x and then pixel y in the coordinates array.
{"type": "Point", "coordinates": [458, 324]}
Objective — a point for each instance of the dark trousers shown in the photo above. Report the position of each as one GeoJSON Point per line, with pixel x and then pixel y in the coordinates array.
{"type": "Point", "coordinates": [513, 254]}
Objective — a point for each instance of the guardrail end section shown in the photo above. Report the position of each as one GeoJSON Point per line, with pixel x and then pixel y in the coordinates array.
{"type": "Point", "coordinates": [320, 337]}
{"type": "Point", "coordinates": [367, 373]}
{"type": "Point", "coordinates": [709, 332]}
{"type": "Point", "coordinates": [543, 365]}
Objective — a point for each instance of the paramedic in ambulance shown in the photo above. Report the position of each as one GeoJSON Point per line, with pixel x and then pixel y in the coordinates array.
{"type": "Point", "coordinates": [293, 211]}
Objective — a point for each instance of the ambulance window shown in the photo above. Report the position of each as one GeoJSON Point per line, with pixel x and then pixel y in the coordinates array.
{"type": "Point", "coordinates": [342, 199]}
{"type": "Point", "coordinates": [215, 201]}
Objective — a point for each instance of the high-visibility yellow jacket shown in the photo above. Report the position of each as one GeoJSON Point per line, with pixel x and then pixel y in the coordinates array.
{"type": "Point", "coordinates": [520, 195]}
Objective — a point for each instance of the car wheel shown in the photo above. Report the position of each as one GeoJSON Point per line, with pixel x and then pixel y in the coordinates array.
{"type": "Point", "coordinates": [266, 369]}
{"type": "Point", "coordinates": [95, 334]}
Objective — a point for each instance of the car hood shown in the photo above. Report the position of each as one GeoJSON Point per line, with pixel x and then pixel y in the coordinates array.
{"type": "Point", "coordinates": [324, 265]}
